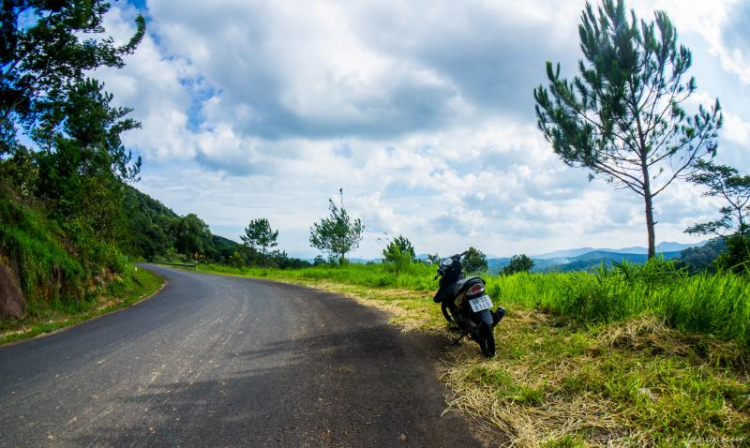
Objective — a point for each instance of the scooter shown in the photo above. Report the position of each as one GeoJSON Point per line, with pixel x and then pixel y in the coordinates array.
{"type": "Point", "coordinates": [464, 303]}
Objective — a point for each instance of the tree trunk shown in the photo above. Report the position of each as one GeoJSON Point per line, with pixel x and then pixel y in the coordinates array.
{"type": "Point", "coordinates": [649, 209]}
{"type": "Point", "coordinates": [650, 227]}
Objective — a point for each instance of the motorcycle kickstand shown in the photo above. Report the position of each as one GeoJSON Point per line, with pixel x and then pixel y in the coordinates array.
{"type": "Point", "coordinates": [463, 335]}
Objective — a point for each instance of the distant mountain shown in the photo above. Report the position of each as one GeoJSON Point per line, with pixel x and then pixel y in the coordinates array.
{"type": "Point", "coordinates": [677, 247]}
{"type": "Point", "coordinates": [592, 260]}
{"type": "Point", "coordinates": [565, 253]}
{"type": "Point", "coordinates": [497, 264]}
{"type": "Point", "coordinates": [575, 260]}
{"type": "Point", "coordinates": [660, 248]}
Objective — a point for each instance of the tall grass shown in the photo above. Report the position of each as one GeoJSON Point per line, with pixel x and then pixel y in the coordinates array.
{"type": "Point", "coordinates": [709, 303]}
{"type": "Point", "coordinates": [718, 304]}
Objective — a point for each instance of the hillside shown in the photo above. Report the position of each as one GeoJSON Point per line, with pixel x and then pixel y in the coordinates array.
{"type": "Point", "coordinates": [52, 262]}
{"type": "Point", "coordinates": [154, 228]}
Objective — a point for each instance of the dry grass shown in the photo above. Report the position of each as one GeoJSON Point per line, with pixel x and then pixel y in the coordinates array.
{"type": "Point", "coordinates": [409, 310]}
{"type": "Point", "coordinates": [552, 385]}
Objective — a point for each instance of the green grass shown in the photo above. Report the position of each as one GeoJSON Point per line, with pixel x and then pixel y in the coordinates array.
{"type": "Point", "coordinates": [627, 357]}
{"type": "Point", "coordinates": [121, 292]}
{"type": "Point", "coordinates": [717, 304]}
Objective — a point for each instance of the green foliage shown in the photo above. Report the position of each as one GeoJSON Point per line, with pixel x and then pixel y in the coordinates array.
{"type": "Point", "coordinates": [64, 203]}
{"type": "Point", "coordinates": [701, 259]}
{"type": "Point", "coordinates": [622, 117]}
{"type": "Point", "coordinates": [237, 261]}
{"type": "Point", "coordinates": [148, 225]}
{"type": "Point", "coordinates": [43, 52]}
{"type": "Point", "coordinates": [724, 182]}
{"type": "Point", "coordinates": [399, 254]}
{"type": "Point", "coordinates": [338, 234]}
{"type": "Point", "coordinates": [192, 236]}
{"type": "Point", "coordinates": [173, 256]}
{"type": "Point", "coordinates": [475, 261]}
{"type": "Point", "coordinates": [46, 270]}
{"type": "Point", "coordinates": [280, 259]}
{"type": "Point", "coordinates": [518, 263]}
{"type": "Point", "coordinates": [223, 248]}
{"type": "Point", "coordinates": [259, 236]}
{"type": "Point", "coordinates": [737, 256]}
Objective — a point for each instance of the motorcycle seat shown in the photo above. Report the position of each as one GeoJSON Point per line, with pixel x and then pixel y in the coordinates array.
{"type": "Point", "coordinates": [464, 283]}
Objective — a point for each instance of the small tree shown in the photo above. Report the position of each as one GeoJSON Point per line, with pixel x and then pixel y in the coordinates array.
{"type": "Point", "coordinates": [518, 263]}
{"type": "Point", "coordinates": [623, 117]}
{"type": "Point", "coordinates": [338, 234]}
{"type": "Point", "coordinates": [475, 261]}
{"type": "Point", "coordinates": [737, 256]}
{"type": "Point", "coordinates": [260, 237]}
{"type": "Point", "coordinates": [399, 253]}
{"type": "Point", "coordinates": [237, 260]}
{"type": "Point", "coordinates": [726, 183]}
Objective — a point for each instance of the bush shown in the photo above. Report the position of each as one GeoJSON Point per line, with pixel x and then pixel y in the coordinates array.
{"type": "Point", "coordinates": [736, 258]}
{"type": "Point", "coordinates": [518, 263]}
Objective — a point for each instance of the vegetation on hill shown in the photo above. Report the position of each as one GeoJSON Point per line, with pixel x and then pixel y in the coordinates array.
{"type": "Point", "coordinates": [61, 196]}
{"type": "Point", "coordinates": [701, 259]}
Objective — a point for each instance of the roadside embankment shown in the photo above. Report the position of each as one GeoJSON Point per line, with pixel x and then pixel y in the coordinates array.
{"type": "Point", "coordinates": [122, 291]}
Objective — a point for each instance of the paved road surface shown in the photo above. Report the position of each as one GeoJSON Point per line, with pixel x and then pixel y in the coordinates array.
{"type": "Point", "coordinates": [217, 361]}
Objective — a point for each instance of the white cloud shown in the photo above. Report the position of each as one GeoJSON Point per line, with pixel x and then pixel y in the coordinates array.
{"type": "Point", "coordinates": [709, 20]}
{"type": "Point", "coordinates": [422, 111]}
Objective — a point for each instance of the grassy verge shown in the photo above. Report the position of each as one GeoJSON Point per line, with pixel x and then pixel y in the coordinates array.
{"type": "Point", "coordinates": [123, 291]}
{"type": "Point", "coordinates": [583, 360]}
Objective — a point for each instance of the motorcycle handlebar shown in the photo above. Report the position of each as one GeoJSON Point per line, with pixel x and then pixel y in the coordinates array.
{"type": "Point", "coordinates": [462, 254]}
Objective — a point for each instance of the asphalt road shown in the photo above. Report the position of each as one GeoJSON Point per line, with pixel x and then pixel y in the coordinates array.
{"type": "Point", "coordinates": [217, 361]}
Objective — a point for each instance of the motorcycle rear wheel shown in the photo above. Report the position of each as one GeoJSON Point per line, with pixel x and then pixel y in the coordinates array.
{"type": "Point", "coordinates": [486, 340]}
{"type": "Point", "coordinates": [448, 313]}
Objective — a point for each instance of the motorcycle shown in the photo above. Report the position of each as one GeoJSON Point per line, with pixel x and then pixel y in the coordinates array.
{"type": "Point", "coordinates": [464, 303]}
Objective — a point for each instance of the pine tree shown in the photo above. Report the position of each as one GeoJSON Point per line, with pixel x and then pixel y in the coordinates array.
{"type": "Point", "coordinates": [622, 118]}
{"type": "Point", "coordinates": [338, 234]}
{"type": "Point", "coordinates": [260, 237]}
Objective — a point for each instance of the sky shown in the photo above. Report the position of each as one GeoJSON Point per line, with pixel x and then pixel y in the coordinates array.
{"type": "Point", "coordinates": [422, 111]}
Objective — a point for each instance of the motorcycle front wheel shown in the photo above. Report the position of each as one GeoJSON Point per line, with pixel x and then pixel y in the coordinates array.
{"type": "Point", "coordinates": [486, 340]}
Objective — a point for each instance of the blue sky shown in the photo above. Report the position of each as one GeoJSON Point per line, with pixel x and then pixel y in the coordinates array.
{"type": "Point", "coordinates": [421, 111]}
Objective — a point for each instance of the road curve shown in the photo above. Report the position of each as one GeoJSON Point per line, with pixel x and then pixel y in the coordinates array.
{"type": "Point", "coordinates": [220, 361]}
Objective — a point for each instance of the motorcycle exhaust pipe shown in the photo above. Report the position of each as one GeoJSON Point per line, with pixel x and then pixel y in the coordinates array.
{"type": "Point", "coordinates": [498, 315]}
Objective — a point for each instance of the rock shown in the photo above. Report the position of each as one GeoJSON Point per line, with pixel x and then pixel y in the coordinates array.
{"type": "Point", "coordinates": [12, 302]}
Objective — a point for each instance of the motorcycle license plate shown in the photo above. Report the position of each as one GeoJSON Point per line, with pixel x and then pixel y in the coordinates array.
{"type": "Point", "coordinates": [480, 303]}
